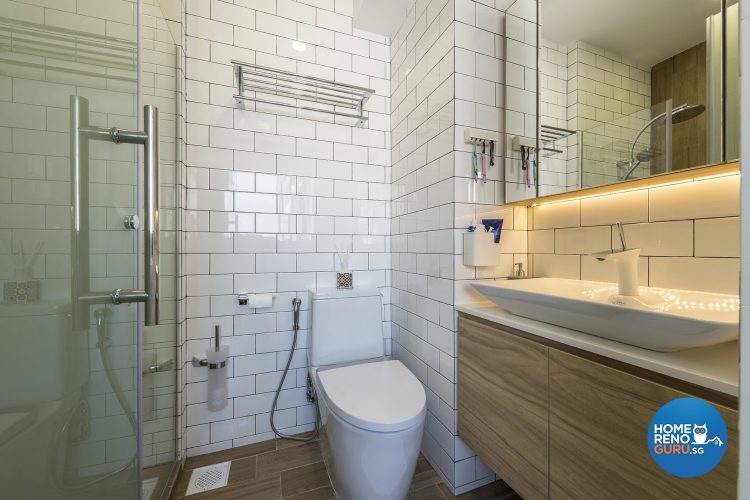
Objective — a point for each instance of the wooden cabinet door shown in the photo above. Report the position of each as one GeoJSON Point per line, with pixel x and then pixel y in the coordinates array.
{"type": "Point", "coordinates": [503, 404]}
{"type": "Point", "coordinates": [599, 419]}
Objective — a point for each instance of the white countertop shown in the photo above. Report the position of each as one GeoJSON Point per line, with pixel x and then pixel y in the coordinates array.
{"type": "Point", "coordinates": [715, 367]}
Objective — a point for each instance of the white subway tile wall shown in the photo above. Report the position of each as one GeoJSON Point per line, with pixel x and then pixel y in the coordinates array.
{"type": "Point", "coordinates": [554, 176]}
{"type": "Point", "coordinates": [271, 195]}
{"type": "Point", "coordinates": [520, 89]}
{"type": "Point", "coordinates": [583, 87]}
{"type": "Point", "coordinates": [684, 243]}
{"type": "Point", "coordinates": [445, 63]}
{"type": "Point", "coordinates": [609, 99]}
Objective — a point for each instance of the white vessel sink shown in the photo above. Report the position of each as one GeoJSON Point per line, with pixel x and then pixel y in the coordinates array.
{"type": "Point", "coordinates": [659, 319]}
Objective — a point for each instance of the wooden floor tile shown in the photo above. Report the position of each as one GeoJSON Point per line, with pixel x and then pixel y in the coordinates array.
{"type": "Point", "coordinates": [295, 471]}
{"type": "Point", "coordinates": [282, 443]}
{"type": "Point", "coordinates": [275, 462]}
{"type": "Point", "coordinates": [230, 454]}
{"type": "Point", "coordinates": [430, 493]}
{"type": "Point", "coordinates": [424, 475]}
{"type": "Point", "coordinates": [264, 488]}
{"type": "Point", "coordinates": [325, 493]}
{"type": "Point", "coordinates": [498, 490]}
{"type": "Point", "coordinates": [306, 478]}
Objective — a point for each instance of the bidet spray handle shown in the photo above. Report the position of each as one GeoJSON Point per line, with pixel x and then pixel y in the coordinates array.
{"type": "Point", "coordinates": [296, 304]}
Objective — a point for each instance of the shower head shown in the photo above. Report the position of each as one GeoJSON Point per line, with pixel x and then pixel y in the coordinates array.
{"type": "Point", "coordinates": [681, 113]}
{"type": "Point", "coordinates": [687, 112]}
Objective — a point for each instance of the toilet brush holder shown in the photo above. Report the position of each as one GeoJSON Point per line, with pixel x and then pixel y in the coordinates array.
{"type": "Point", "coordinates": [217, 378]}
{"type": "Point", "coordinates": [216, 360]}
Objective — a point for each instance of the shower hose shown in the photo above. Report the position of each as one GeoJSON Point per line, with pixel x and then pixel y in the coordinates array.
{"type": "Point", "coordinates": [103, 341]}
{"type": "Point", "coordinates": [296, 303]}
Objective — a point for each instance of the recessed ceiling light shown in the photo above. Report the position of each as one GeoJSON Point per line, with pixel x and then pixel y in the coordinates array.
{"type": "Point", "coordinates": [299, 46]}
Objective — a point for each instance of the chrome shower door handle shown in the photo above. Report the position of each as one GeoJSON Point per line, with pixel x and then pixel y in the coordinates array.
{"type": "Point", "coordinates": [151, 215]}
{"type": "Point", "coordinates": [150, 140]}
{"type": "Point", "coordinates": [81, 134]}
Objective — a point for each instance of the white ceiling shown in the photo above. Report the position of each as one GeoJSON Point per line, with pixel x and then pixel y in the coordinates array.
{"type": "Point", "coordinates": [647, 31]}
{"type": "Point", "coordinates": [380, 16]}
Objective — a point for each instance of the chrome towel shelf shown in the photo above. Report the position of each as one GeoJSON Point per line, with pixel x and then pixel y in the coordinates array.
{"type": "Point", "coordinates": [284, 88]}
{"type": "Point", "coordinates": [49, 48]}
{"type": "Point", "coordinates": [550, 135]}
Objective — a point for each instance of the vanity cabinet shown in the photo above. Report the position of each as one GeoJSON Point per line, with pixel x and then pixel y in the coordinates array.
{"type": "Point", "coordinates": [503, 404]}
{"type": "Point", "coordinates": [556, 422]}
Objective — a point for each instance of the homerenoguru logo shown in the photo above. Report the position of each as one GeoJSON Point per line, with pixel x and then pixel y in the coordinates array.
{"type": "Point", "coordinates": [687, 437]}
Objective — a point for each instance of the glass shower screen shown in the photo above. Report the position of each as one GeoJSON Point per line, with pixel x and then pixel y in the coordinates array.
{"type": "Point", "coordinates": [71, 226]}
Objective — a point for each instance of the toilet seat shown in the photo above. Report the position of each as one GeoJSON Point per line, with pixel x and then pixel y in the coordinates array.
{"type": "Point", "coordinates": [382, 396]}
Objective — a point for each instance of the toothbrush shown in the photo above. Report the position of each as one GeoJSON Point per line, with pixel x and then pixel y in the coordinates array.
{"type": "Point", "coordinates": [34, 255]}
{"type": "Point", "coordinates": [484, 163]}
{"type": "Point", "coordinates": [343, 257]}
{"type": "Point", "coordinates": [475, 171]}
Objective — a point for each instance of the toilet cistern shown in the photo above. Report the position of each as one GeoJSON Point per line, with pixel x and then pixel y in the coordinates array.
{"type": "Point", "coordinates": [627, 265]}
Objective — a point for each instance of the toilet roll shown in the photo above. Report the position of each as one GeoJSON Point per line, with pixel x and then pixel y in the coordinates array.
{"type": "Point", "coordinates": [217, 378]}
{"type": "Point", "coordinates": [260, 300]}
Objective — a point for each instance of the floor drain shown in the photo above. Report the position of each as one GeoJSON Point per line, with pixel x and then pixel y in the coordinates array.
{"type": "Point", "coordinates": [209, 477]}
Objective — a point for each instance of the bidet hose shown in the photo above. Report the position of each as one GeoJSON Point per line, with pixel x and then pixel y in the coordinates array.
{"type": "Point", "coordinates": [296, 303]}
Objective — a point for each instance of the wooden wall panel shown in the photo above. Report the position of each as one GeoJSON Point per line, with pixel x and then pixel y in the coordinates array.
{"type": "Point", "coordinates": [683, 79]}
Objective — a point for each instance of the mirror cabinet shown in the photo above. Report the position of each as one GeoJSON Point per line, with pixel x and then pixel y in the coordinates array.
{"type": "Point", "coordinates": [603, 91]}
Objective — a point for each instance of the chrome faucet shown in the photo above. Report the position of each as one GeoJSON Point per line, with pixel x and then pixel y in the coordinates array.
{"type": "Point", "coordinates": [627, 264]}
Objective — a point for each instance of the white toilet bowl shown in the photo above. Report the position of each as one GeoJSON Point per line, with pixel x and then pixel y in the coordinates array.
{"type": "Point", "coordinates": [374, 415]}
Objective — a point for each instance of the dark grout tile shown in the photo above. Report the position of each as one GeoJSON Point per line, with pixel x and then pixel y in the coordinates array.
{"type": "Point", "coordinates": [230, 454]}
{"type": "Point", "coordinates": [275, 462]}
{"type": "Point", "coordinates": [325, 493]}
{"type": "Point", "coordinates": [305, 478]}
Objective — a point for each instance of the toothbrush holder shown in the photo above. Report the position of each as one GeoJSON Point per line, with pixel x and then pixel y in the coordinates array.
{"type": "Point", "coordinates": [344, 280]}
{"type": "Point", "coordinates": [20, 292]}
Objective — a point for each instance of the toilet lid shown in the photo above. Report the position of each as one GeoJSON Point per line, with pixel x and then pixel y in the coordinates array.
{"type": "Point", "coordinates": [383, 396]}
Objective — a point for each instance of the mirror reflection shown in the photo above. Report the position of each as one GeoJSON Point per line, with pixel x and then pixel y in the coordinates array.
{"type": "Point", "coordinates": [629, 90]}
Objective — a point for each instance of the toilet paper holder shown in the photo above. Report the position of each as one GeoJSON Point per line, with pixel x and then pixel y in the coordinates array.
{"type": "Point", "coordinates": [256, 300]}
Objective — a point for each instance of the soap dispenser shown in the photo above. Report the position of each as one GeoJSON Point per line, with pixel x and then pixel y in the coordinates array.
{"type": "Point", "coordinates": [518, 273]}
